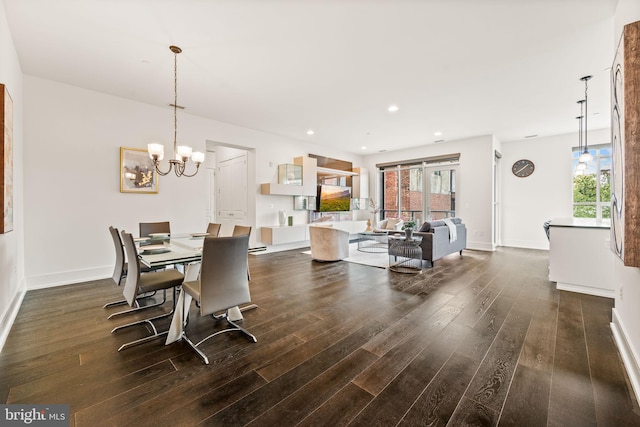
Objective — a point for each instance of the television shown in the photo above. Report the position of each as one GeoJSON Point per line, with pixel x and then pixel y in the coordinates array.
{"type": "Point", "coordinates": [333, 198]}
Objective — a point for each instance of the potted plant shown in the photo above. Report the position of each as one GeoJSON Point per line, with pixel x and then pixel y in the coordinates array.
{"type": "Point", "coordinates": [408, 227]}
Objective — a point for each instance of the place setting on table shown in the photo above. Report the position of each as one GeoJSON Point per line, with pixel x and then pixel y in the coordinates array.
{"type": "Point", "coordinates": [164, 248]}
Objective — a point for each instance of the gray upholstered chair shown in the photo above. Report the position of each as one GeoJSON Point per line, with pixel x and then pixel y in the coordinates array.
{"type": "Point", "coordinates": [213, 229]}
{"type": "Point", "coordinates": [137, 284]}
{"type": "Point", "coordinates": [243, 230]}
{"type": "Point", "coordinates": [223, 284]}
{"type": "Point", "coordinates": [149, 228]}
{"type": "Point", "coordinates": [121, 266]}
{"type": "Point", "coordinates": [328, 243]}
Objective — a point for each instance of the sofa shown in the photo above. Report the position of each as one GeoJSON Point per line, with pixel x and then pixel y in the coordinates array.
{"type": "Point", "coordinates": [328, 243]}
{"type": "Point", "coordinates": [436, 239]}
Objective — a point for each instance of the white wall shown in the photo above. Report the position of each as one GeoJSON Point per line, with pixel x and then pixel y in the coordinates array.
{"type": "Point", "coordinates": [72, 140]}
{"type": "Point", "coordinates": [528, 202]}
{"type": "Point", "coordinates": [12, 284]}
{"type": "Point", "coordinates": [475, 182]}
{"type": "Point", "coordinates": [626, 322]}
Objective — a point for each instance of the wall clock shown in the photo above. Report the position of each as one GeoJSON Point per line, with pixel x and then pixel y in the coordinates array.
{"type": "Point", "coordinates": [523, 168]}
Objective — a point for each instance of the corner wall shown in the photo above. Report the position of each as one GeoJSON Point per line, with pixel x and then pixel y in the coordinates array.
{"type": "Point", "coordinates": [12, 283]}
{"type": "Point", "coordinates": [626, 316]}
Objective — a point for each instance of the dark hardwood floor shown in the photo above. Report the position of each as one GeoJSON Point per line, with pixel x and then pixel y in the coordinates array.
{"type": "Point", "coordinates": [483, 339]}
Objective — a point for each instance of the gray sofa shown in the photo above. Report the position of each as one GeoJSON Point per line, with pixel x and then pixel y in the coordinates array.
{"type": "Point", "coordinates": [436, 242]}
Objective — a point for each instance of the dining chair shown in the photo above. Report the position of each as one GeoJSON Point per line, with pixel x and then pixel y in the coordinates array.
{"type": "Point", "coordinates": [213, 229]}
{"type": "Point", "coordinates": [222, 286]}
{"type": "Point", "coordinates": [121, 267]}
{"type": "Point", "coordinates": [243, 230]}
{"type": "Point", "coordinates": [137, 284]}
{"type": "Point", "coordinates": [148, 228]}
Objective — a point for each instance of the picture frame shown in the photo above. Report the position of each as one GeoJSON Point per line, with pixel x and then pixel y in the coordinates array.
{"type": "Point", "coordinates": [137, 172]}
{"type": "Point", "coordinates": [6, 160]}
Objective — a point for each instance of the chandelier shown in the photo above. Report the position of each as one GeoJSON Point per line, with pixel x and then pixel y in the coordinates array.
{"type": "Point", "coordinates": [181, 153]}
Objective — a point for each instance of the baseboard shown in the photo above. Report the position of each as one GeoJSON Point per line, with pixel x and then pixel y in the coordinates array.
{"type": "Point", "coordinates": [480, 246]}
{"type": "Point", "coordinates": [68, 277]}
{"type": "Point", "coordinates": [10, 317]}
{"type": "Point", "coordinates": [630, 359]}
{"type": "Point", "coordinates": [607, 293]}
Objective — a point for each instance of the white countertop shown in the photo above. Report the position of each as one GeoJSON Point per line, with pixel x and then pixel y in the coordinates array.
{"type": "Point", "coordinates": [580, 222]}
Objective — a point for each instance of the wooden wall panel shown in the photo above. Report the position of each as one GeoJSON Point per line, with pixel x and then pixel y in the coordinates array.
{"type": "Point", "coordinates": [625, 128]}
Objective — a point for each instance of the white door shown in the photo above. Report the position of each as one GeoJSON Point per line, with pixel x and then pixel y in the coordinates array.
{"type": "Point", "coordinates": [232, 202]}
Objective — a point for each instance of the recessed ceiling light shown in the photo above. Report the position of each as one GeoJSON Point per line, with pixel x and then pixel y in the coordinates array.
{"type": "Point", "coordinates": [364, 148]}
{"type": "Point", "coordinates": [392, 108]}
{"type": "Point", "coordinates": [437, 134]}
{"type": "Point", "coordinates": [310, 132]}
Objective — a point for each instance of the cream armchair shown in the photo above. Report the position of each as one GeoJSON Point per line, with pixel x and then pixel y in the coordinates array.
{"type": "Point", "coordinates": [328, 243]}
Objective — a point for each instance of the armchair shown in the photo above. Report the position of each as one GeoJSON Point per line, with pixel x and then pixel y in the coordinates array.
{"type": "Point", "coordinates": [328, 243]}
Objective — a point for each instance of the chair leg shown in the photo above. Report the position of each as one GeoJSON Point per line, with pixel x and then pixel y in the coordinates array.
{"type": "Point", "coordinates": [139, 308]}
{"type": "Point", "coordinates": [124, 301]}
{"type": "Point", "coordinates": [234, 327]}
{"type": "Point", "coordinates": [155, 335]}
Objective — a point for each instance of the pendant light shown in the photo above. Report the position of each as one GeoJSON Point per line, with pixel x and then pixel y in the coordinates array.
{"type": "Point", "coordinates": [181, 153]}
{"type": "Point", "coordinates": [581, 165]}
{"type": "Point", "coordinates": [585, 156]}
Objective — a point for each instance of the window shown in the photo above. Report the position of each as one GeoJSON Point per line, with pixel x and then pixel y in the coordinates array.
{"type": "Point", "coordinates": [591, 187]}
{"type": "Point", "coordinates": [419, 189]}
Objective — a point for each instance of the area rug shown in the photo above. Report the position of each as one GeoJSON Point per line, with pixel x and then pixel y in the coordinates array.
{"type": "Point", "coordinates": [379, 259]}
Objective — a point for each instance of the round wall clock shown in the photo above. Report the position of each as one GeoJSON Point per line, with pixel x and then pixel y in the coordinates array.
{"type": "Point", "coordinates": [523, 168]}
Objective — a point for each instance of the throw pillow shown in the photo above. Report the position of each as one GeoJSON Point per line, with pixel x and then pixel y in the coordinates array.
{"type": "Point", "coordinates": [391, 223]}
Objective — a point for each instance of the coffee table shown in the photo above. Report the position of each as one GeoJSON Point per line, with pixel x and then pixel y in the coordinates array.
{"type": "Point", "coordinates": [371, 241]}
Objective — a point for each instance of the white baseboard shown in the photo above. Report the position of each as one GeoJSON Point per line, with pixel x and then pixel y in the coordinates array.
{"type": "Point", "coordinates": [68, 277]}
{"type": "Point", "coordinates": [599, 292]}
{"type": "Point", "coordinates": [480, 246]}
{"type": "Point", "coordinates": [10, 317]}
{"type": "Point", "coordinates": [629, 356]}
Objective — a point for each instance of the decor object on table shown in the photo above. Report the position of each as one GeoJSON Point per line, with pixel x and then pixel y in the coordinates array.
{"type": "Point", "coordinates": [181, 152]}
{"type": "Point", "coordinates": [408, 227]}
{"type": "Point", "coordinates": [6, 160]}
{"type": "Point", "coordinates": [137, 173]}
{"type": "Point", "coordinates": [368, 226]}
{"type": "Point", "coordinates": [282, 218]}
{"type": "Point", "coordinates": [374, 209]}
{"type": "Point", "coordinates": [625, 138]}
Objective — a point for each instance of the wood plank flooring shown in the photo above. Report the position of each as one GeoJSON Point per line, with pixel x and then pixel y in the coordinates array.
{"type": "Point", "coordinates": [483, 339]}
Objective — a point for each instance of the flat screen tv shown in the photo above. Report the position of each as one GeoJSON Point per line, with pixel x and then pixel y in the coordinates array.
{"type": "Point", "coordinates": [333, 198]}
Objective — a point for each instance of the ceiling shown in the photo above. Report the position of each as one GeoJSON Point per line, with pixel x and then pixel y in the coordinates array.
{"type": "Point", "coordinates": [460, 67]}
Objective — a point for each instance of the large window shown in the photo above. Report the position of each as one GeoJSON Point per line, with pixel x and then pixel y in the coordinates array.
{"type": "Point", "coordinates": [419, 190]}
{"type": "Point", "coordinates": [592, 186]}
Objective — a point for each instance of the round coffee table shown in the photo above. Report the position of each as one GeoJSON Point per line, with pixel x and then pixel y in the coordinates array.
{"type": "Point", "coordinates": [371, 241]}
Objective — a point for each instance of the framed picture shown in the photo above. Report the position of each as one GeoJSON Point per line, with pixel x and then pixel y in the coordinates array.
{"type": "Point", "coordinates": [6, 160]}
{"type": "Point", "coordinates": [137, 173]}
